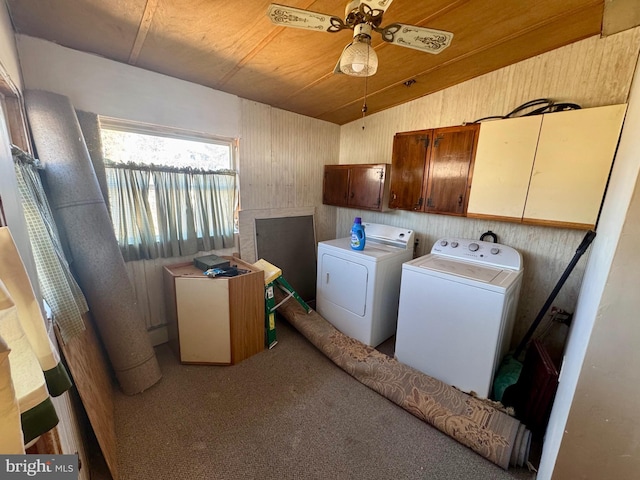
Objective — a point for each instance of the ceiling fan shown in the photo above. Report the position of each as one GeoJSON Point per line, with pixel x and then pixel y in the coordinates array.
{"type": "Point", "coordinates": [358, 58]}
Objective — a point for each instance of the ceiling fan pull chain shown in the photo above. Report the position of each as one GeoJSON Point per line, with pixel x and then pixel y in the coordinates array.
{"type": "Point", "coordinates": [364, 102]}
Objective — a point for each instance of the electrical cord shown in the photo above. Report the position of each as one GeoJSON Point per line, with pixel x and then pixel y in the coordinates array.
{"type": "Point", "coordinates": [547, 106]}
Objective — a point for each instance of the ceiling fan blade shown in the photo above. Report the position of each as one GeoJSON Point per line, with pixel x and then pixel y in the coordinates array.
{"type": "Point", "coordinates": [418, 38]}
{"type": "Point", "coordinates": [295, 17]}
{"type": "Point", "coordinates": [381, 5]}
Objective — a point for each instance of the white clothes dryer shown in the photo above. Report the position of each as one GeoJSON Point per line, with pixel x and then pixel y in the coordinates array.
{"type": "Point", "coordinates": [357, 291]}
{"type": "Point", "coordinates": [457, 309]}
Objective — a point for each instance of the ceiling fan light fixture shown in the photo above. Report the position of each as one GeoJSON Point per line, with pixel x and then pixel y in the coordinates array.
{"type": "Point", "coordinates": [359, 59]}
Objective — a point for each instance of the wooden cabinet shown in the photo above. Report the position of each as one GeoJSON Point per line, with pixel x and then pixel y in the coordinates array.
{"type": "Point", "coordinates": [356, 186]}
{"type": "Point", "coordinates": [430, 170]}
{"type": "Point", "coordinates": [548, 169]}
{"type": "Point", "coordinates": [214, 320]}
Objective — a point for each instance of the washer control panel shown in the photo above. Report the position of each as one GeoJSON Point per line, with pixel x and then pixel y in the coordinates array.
{"type": "Point", "coordinates": [478, 251]}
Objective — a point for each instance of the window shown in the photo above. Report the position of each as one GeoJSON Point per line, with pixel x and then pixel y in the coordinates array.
{"type": "Point", "coordinates": [124, 142]}
{"type": "Point", "coordinates": [171, 192]}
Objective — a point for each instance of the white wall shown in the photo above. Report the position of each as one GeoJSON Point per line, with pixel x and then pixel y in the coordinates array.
{"type": "Point", "coordinates": [102, 86]}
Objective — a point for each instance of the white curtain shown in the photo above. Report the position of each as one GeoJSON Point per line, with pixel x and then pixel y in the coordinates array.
{"type": "Point", "coordinates": [169, 212]}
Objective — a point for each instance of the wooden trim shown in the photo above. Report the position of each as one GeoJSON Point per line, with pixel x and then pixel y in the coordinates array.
{"type": "Point", "coordinates": [533, 221]}
{"type": "Point", "coordinates": [556, 223]}
{"type": "Point", "coordinates": [476, 135]}
{"type": "Point", "coordinates": [16, 118]}
{"type": "Point", "coordinates": [17, 124]}
{"type": "Point", "coordinates": [247, 58]}
{"type": "Point", "coordinates": [246, 312]}
{"type": "Point", "coordinates": [48, 444]}
{"type": "Point", "coordinates": [173, 332]}
{"type": "Point", "coordinates": [143, 30]}
{"type": "Point", "coordinates": [497, 218]}
{"type": "Point", "coordinates": [364, 165]}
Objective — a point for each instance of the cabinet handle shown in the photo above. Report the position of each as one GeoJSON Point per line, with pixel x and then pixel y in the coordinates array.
{"type": "Point", "coordinates": [352, 195]}
{"type": "Point", "coordinates": [460, 201]}
{"type": "Point", "coordinates": [327, 281]}
{"type": "Point", "coordinates": [419, 204]}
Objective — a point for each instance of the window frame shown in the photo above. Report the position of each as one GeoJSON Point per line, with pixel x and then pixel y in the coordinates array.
{"type": "Point", "coordinates": [132, 126]}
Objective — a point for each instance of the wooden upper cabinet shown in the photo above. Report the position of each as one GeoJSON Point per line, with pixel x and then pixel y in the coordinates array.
{"type": "Point", "coordinates": [408, 168]}
{"type": "Point", "coordinates": [335, 186]}
{"type": "Point", "coordinates": [366, 186]}
{"type": "Point", "coordinates": [450, 164]}
{"type": "Point", "coordinates": [363, 186]}
{"type": "Point", "coordinates": [431, 169]}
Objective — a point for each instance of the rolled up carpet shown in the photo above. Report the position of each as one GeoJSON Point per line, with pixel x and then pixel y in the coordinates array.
{"type": "Point", "coordinates": [80, 211]}
{"type": "Point", "coordinates": [475, 423]}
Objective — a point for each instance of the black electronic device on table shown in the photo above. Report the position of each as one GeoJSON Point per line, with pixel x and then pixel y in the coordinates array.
{"type": "Point", "coordinates": [209, 262]}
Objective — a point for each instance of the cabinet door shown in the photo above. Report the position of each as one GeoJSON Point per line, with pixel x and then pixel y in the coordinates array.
{"type": "Point", "coordinates": [366, 186]}
{"type": "Point", "coordinates": [335, 186]}
{"type": "Point", "coordinates": [502, 167]}
{"type": "Point", "coordinates": [203, 320]}
{"type": "Point", "coordinates": [408, 170]}
{"type": "Point", "coordinates": [450, 158]}
{"type": "Point", "coordinates": [574, 157]}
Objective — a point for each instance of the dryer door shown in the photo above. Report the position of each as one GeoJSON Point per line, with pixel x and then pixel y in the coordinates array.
{"type": "Point", "coordinates": [344, 283]}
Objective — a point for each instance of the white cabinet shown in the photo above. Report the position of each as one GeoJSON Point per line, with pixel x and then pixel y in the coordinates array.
{"type": "Point", "coordinates": [215, 320]}
{"type": "Point", "coordinates": [504, 159]}
{"type": "Point", "coordinates": [549, 169]}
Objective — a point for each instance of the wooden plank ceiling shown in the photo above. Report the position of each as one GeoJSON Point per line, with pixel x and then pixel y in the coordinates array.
{"type": "Point", "coordinates": [233, 47]}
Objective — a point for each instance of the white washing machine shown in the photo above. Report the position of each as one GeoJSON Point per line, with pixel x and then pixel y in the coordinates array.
{"type": "Point", "coordinates": [457, 309]}
{"type": "Point", "coordinates": [357, 291]}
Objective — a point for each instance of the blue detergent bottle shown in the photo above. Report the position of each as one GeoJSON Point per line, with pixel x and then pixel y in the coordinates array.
{"type": "Point", "coordinates": [358, 237]}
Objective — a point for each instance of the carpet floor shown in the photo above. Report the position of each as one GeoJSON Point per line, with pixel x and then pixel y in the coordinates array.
{"type": "Point", "coordinates": [285, 413]}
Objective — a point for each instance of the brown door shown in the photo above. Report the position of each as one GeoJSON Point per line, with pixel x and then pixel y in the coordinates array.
{"type": "Point", "coordinates": [450, 159]}
{"type": "Point", "coordinates": [335, 186]}
{"type": "Point", "coordinates": [408, 170]}
{"type": "Point", "coordinates": [365, 187]}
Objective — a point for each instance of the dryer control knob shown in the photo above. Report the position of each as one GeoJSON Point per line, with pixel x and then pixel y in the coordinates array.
{"type": "Point", "coordinates": [444, 243]}
{"type": "Point", "coordinates": [454, 244]}
{"type": "Point", "coordinates": [495, 250]}
{"type": "Point", "coordinates": [474, 247]}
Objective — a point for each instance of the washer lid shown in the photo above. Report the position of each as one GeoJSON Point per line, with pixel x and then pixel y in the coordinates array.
{"type": "Point", "coordinates": [373, 251]}
{"type": "Point", "coordinates": [472, 271]}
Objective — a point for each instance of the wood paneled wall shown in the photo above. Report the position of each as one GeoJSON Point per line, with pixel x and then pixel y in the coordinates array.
{"type": "Point", "coordinates": [282, 157]}
{"type": "Point", "coordinates": [591, 73]}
